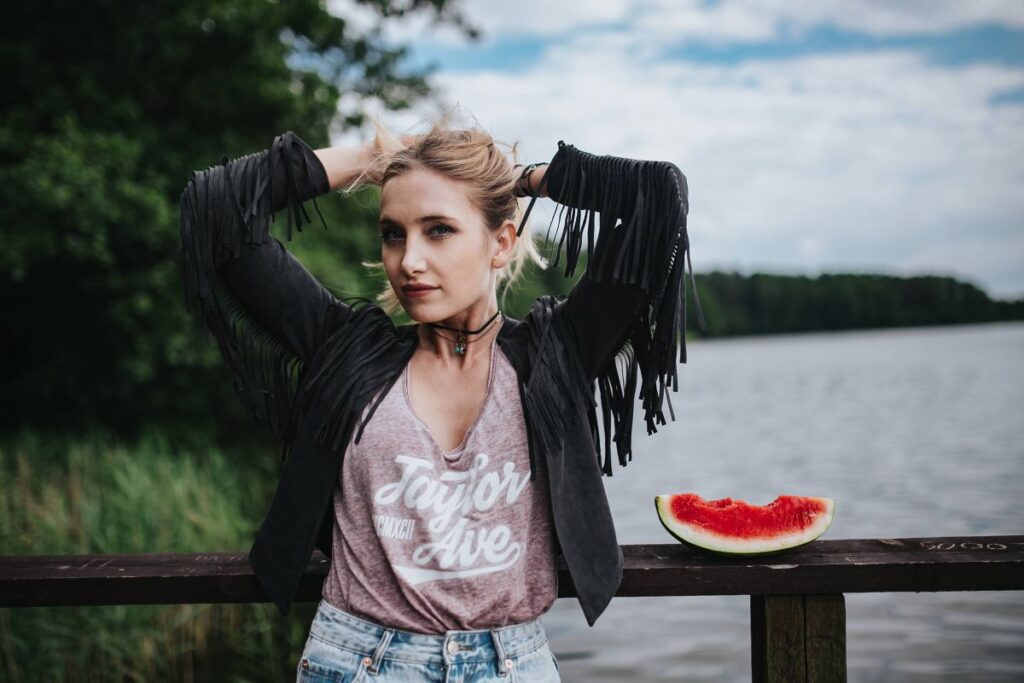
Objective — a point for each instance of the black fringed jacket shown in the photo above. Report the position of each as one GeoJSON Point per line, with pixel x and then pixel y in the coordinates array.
{"type": "Point", "coordinates": [309, 365]}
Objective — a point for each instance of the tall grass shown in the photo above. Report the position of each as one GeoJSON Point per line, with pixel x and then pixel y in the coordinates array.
{"type": "Point", "coordinates": [94, 494]}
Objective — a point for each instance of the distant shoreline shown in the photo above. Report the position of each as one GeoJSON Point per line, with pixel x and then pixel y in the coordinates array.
{"type": "Point", "coordinates": [697, 338]}
{"type": "Point", "coordinates": [765, 303]}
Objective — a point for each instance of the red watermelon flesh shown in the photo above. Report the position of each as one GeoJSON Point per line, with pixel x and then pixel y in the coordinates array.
{"type": "Point", "coordinates": [737, 527]}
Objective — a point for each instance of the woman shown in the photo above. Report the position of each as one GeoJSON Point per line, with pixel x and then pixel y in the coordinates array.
{"type": "Point", "coordinates": [408, 446]}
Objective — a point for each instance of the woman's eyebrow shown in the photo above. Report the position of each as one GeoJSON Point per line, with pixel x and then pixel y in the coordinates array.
{"type": "Point", "coordinates": [384, 220]}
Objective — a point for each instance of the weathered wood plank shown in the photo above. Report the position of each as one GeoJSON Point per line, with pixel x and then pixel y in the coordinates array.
{"type": "Point", "coordinates": [758, 639]}
{"type": "Point", "coordinates": [822, 567]}
{"type": "Point", "coordinates": [826, 567]}
{"type": "Point", "coordinates": [777, 628]}
{"type": "Point", "coordinates": [147, 579]}
{"type": "Point", "coordinates": [798, 638]}
{"type": "Point", "coordinates": [825, 636]}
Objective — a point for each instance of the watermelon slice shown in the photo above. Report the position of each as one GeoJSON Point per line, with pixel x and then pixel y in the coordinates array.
{"type": "Point", "coordinates": [735, 527]}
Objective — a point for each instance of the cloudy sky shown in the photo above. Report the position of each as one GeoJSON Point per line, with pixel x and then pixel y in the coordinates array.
{"type": "Point", "coordinates": [853, 135]}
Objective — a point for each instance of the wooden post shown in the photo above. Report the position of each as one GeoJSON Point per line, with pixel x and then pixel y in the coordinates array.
{"type": "Point", "coordinates": [798, 638]}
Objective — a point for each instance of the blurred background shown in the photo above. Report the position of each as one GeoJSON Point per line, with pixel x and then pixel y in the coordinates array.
{"type": "Point", "coordinates": [857, 231]}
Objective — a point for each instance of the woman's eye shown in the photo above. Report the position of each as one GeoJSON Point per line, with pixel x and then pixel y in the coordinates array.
{"type": "Point", "coordinates": [441, 229]}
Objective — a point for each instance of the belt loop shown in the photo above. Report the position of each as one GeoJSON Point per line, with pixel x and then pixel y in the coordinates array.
{"type": "Point", "coordinates": [500, 649]}
{"type": "Point", "coordinates": [378, 654]}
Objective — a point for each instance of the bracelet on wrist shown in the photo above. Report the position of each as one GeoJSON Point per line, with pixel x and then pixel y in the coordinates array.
{"type": "Point", "coordinates": [523, 186]}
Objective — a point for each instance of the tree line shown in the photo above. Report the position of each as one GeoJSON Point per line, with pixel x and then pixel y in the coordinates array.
{"type": "Point", "coordinates": [766, 303]}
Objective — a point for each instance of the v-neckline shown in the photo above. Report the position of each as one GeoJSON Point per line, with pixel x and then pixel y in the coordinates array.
{"type": "Point", "coordinates": [454, 454]}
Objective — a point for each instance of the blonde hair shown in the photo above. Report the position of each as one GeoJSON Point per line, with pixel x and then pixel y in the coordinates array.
{"type": "Point", "coordinates": [466, 154]}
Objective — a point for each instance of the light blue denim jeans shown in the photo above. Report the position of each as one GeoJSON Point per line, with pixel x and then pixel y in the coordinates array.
{"type": "Point", "coordinates": [344, 648]}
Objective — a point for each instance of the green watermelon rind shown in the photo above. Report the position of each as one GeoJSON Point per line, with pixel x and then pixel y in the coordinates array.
{"type": "Point", "coordinates": [724, 550]}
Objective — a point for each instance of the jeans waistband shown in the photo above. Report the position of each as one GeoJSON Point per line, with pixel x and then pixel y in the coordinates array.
{"type": "Point", "coordinates": [343, 629]}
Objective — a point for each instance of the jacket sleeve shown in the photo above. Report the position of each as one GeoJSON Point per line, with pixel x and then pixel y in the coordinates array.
{"type": "Point", "coordinates": [627, 314]}
{"type": "Point", "coordinates": [267, 313]}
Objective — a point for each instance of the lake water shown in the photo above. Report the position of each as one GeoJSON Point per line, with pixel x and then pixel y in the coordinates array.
{"type": "Point", "coordinates": [914, 432]}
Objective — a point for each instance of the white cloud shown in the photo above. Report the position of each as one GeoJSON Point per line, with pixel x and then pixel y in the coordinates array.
{"type": "Point", "coordinates": [673, 20]}
{"type": "Point", "coordinates": [745, 20]}
{"type": "Point", "coordinates": [544, 17]}
{"type": "Point", "coordinates": [497, 20]}
{"type": "Point", "coordinates": [877, 160]}
{"type": "Point", "coordinates": [884, 17]}
{"type": "Point", "coordinates": [868, 161]}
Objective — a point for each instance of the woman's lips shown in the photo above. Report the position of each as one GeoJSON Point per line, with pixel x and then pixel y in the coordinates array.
{"type": "Point", "coordinates": [419, 291]}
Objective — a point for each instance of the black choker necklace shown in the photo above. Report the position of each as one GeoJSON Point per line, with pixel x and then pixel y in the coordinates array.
{"type": "Point", "coordinates": [460, 343]}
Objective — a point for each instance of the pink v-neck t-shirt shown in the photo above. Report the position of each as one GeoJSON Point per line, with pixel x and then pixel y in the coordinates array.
{"type": "Point", "coordinates": [430, 541]}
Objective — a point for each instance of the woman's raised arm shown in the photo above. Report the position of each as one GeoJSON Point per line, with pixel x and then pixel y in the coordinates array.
{"type": "Point", "coordinates": [268, 314]}
{"type": "Point", "coordinates": [344, 164]}
{"type": "Point", "coordinates": [627, 313]}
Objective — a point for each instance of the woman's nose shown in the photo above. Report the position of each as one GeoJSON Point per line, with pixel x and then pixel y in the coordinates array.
{"type": "Point", "coordinates": [412, 260]}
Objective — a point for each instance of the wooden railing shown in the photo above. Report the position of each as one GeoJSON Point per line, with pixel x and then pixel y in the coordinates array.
{"type": "Point", "coordinates": [797, 610]}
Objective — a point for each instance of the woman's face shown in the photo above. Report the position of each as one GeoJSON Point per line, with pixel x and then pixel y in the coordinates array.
{"type": "Point", "coordinates": [433, 235]}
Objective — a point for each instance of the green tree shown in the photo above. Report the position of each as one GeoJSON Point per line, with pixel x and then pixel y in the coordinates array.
{"type": "Point", "coordinates": [106, 109]}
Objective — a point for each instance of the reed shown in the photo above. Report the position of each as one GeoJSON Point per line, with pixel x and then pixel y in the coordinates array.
{"type": "Point", "coordinates": [98, 494]}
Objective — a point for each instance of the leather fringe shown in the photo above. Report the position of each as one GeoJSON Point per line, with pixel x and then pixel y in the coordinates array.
{"type": "Point", "coordinates": [221, 209]}
{"type": "Point", "coordinates": [364, 352]}
{"type": "Point", "coordinates": [645, 203]}
{"type": "Point", "coordinates": [552, 384]}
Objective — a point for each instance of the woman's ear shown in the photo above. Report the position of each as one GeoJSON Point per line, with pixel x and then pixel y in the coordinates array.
{"type": "Point", "coordinates": [504, 244]}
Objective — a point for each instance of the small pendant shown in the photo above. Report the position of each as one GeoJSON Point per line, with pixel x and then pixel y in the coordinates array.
{"type": "Point", "coordinates": [460, 345]}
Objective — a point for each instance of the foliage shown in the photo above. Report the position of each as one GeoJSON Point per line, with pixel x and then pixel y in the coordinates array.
{"type": "Point", "coordinates": [106, 109]}
{"type": "Point", "coordinates": [97, 494]}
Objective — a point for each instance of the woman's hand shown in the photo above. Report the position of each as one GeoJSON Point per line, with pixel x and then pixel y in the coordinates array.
{"type": "Point", "coordinates": [532, 184]}
{"type": "Point", "coordinates": [345, 163]}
